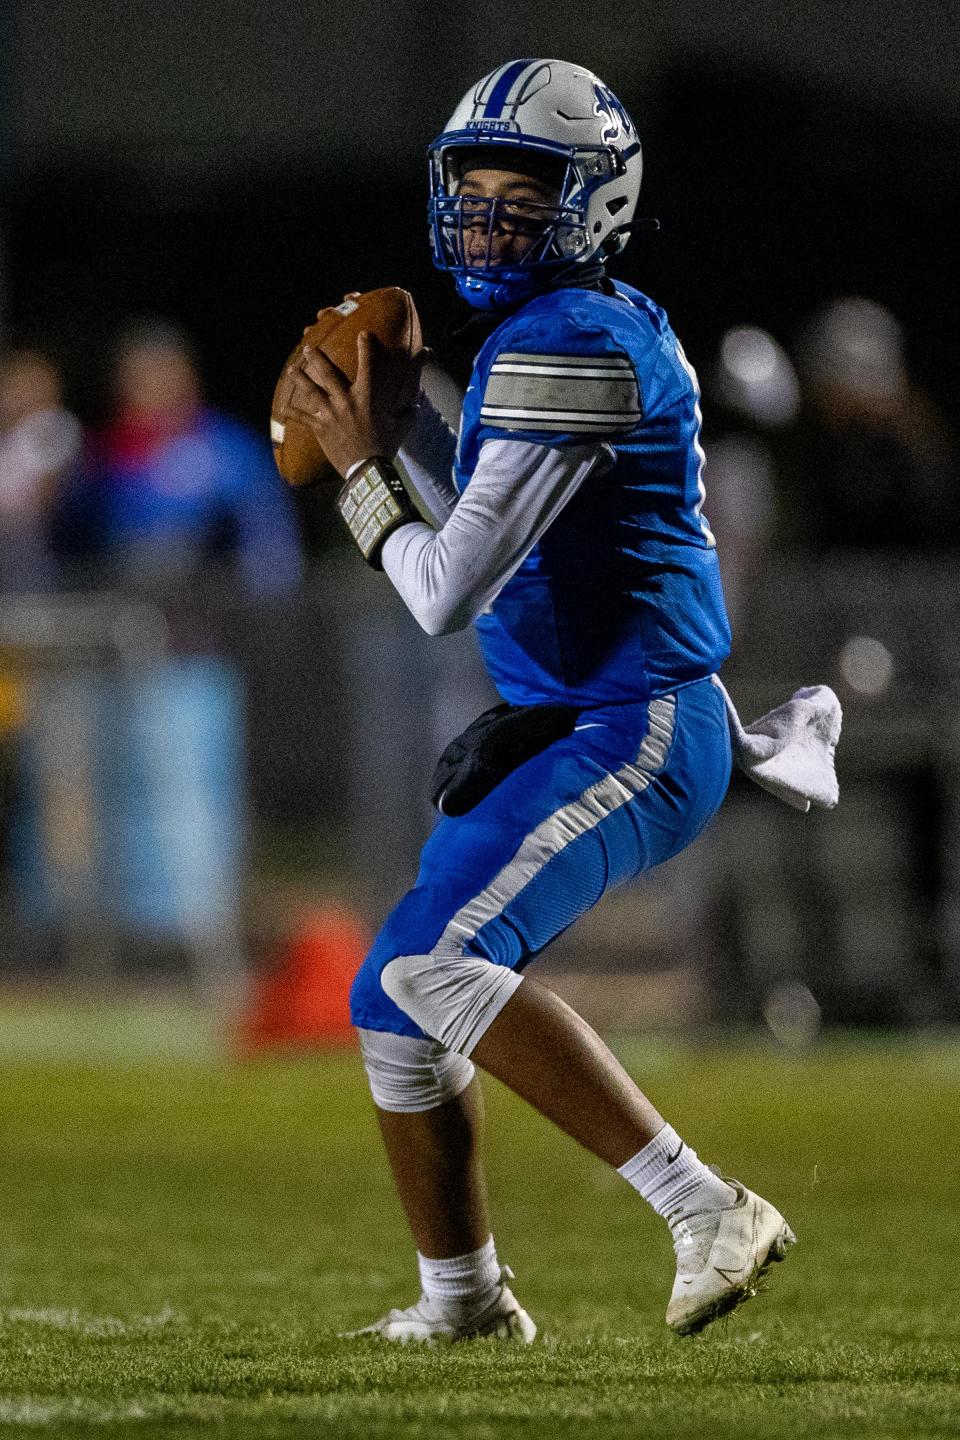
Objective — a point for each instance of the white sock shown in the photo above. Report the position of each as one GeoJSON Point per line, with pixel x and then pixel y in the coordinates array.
{"type": "Point", "coordinates": [671, 1178]}
{"type": "Point", "coordinates": [462, 1282]}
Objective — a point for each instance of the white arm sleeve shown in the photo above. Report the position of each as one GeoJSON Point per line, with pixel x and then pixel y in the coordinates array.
{"type": "Point", "coordinates": [447, 577]}
{"type": "Point", "coordinates": [427, 457]}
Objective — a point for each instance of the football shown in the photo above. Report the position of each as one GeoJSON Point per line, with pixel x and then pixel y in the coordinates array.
{"type": "Point", "coordinates": [391, 315]}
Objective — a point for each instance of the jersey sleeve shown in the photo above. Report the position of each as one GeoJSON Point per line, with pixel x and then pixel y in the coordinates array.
{"type": "Point", "coordinates": [561, 381]}
{"type": "Point", "coordinates": [447, 577]}
{"type": "Point", "coordinates": [427, 457]}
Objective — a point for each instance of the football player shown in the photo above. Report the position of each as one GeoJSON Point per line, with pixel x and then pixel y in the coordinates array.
{"type": "Point", "coordinates": [571, 533]}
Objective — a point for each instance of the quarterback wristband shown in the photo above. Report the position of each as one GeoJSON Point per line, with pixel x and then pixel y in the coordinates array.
{"type": "Point", "coordinates": [374, 502]}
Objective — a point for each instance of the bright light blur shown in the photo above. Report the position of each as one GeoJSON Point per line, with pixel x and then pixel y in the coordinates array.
{"type": "Point", "coordinates": [857, 345]}
{"type": "Point", "coordinates": [792, 1014]}
{"type": "Point", "coordinates": [866, 665]}
{"type": "Point", "coordinates": [754, 377]}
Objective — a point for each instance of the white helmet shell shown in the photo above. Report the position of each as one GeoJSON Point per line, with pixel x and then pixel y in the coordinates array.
{"type": "Point", "coordinates": [555, 108]}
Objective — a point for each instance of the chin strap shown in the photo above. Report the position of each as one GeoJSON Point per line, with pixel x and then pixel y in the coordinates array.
{"type": "Point", "coordinates": [485, 290]}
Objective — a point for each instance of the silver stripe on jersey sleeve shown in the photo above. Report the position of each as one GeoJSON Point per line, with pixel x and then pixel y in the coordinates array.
{"type": "Point", "coordinates": [574, 393]}
{"type": "Point", "coordinates": [571, 422]}
{"type": "Point", "coordinates": [626, 377]}
{"type": "Point", "coordinates": [607, 362]}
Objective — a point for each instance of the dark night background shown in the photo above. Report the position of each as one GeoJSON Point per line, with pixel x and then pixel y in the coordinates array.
{"type": "Point", "coordinates": [234, 167]}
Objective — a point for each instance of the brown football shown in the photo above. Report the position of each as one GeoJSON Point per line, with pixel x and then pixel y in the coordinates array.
{"type": "Point", "coordinates": [391, 315]}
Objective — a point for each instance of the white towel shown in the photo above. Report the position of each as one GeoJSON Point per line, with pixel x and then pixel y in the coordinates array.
{"type": "Point", "coordinates": [790, 751]}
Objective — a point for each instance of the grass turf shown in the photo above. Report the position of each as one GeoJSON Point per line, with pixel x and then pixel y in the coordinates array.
{"type": "Point", "coordinates": [181, 1240]}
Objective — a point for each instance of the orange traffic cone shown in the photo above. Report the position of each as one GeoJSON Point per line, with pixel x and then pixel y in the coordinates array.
{"type": "Point", "coordinates": [302, 999]}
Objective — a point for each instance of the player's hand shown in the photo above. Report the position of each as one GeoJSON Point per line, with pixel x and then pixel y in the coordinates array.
{"type": "Point", "coordinates": [369, 417]}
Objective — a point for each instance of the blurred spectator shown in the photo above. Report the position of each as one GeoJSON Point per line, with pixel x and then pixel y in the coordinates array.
{"type": "Point", "coordinates": [172, 491]}
{"type": "Point", "coordinates": [39, 443]}
{"type": "Point", "coordinates": [752, 393]}
{"type": "Point", "coordinates": [877, 466]}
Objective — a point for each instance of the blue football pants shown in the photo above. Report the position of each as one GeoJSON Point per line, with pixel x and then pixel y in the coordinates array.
{"type": "Point", "coordinates": [630, 787]}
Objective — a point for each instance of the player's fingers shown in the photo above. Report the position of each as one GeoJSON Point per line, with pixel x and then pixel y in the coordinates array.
{"type": "Point", "coordinates": [307, 397]}
{"type": "Point", "coordinates": [318, 411]}
{"type": "Point", "coordinates": [285, 387]}
{"type": "Point", "coordinates": [323, 372]}
{"type": "Point", "coordinates": [371, 356]}
{"type": "Point", "coordinates": [300, 381]}
{"type": "Point", "coordinates": [292, 367]}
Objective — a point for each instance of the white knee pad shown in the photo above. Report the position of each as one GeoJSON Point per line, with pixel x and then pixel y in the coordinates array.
{"type": "Point", "coordinates": [452, 997]}
{"type": "Point", "coordinates": [408, 1075]}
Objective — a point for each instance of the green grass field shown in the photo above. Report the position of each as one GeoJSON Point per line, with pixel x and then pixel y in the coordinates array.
{"type": "Point", "coordinates": [182, 1239]}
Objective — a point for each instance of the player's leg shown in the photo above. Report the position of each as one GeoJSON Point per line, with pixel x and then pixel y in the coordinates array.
{"type": "Point", "coordinates": [614, 799]}
{"type": "Point", "coordinates": [431, 1121]}
{"type": "Point", "coordinates": [723, 1234]}
{"type": "Point", "coordinates": [437, 1168]}
{"type": "Point", "coordinates": [475, 1005]}
{"type": "Point", "coordinates": [430, 1112]}
{"type": "Point", "coordinates": [549, 1056]}
{"type": "Point", "coordinates": [435, 1159]}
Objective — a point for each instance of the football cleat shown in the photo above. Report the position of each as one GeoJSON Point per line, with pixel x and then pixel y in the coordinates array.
{"type": "Point", "coordinates": [717, 1273]}
{"type": "Point", "coordinates": [503, 1319]}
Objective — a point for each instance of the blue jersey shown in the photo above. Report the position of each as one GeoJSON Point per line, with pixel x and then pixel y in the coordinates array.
{"type": "Point", "coordinates": [621, 599]}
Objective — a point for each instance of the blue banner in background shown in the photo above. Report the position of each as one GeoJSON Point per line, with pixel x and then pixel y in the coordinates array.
{"type": "Point", "coordinates": [133, 809]}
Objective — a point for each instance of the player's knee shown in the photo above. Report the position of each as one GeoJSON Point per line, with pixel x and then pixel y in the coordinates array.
{"type": "Point", "coordinates": [407, 1075]}
{"type": "Point", "coordinates": [453, 998]}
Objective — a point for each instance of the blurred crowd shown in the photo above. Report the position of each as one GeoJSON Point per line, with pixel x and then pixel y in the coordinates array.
{"type": "Point", "coordinates": [832, 444]}
{"type": "Point", "coordinates": [168, 491]}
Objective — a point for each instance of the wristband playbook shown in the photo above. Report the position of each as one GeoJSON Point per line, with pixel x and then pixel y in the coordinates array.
{"type": "Point", "coordinates": [374, 502]}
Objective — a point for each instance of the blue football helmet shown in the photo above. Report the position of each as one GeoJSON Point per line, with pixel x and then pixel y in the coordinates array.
{"type": "Point", "coordinates": [561, 125]}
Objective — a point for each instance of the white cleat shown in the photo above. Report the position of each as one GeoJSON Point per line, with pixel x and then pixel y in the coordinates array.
{"type": "Point", "coordinates": [715, 1276]}
{"type": "Point", "coordinates": [503, 1319]}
